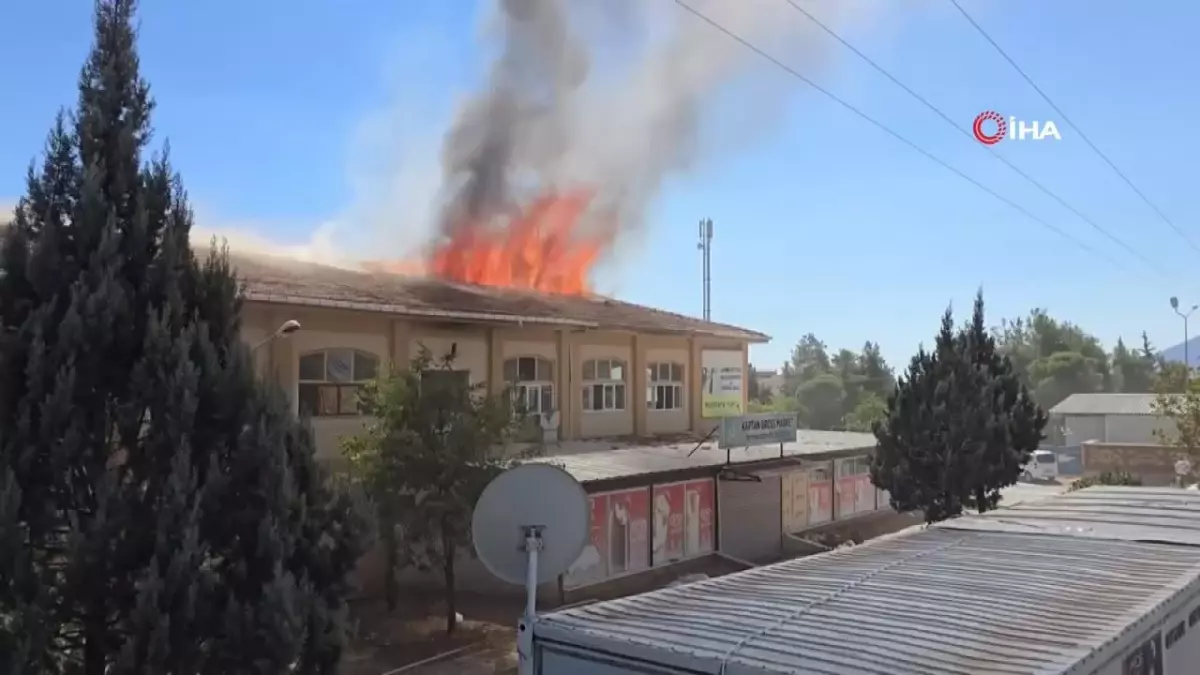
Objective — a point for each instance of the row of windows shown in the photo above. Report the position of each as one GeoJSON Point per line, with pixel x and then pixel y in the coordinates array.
{"type": "Point", "coordinates": [329, 382]}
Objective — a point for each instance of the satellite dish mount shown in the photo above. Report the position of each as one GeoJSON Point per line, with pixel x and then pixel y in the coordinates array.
{"type": "Point", "coordinates": [529, 526]}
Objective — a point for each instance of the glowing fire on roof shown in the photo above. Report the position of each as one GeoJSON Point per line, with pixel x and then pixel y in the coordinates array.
{"type": "Point", "coordinates": [541, 248]}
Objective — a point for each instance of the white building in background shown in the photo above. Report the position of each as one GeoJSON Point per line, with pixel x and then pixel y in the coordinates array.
{"type": "Point", "coordinates": [1108, 418]}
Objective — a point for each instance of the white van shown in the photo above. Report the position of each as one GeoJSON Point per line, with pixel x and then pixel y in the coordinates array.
{"type": "Point", "coordinates": [1043, 466]}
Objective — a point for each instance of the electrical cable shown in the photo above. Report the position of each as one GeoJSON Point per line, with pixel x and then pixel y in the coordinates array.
{"type": "Point", "coordinates": [1112, 165]}
{"type": "Point", "coordinates": [889, 131]}
{"type": "Point", "coordinates": [937, 111]}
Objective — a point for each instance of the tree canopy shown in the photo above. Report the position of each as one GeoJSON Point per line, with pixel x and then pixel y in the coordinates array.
{"type": "Point", "coordinates": [958, 428]}
{"type": "Point", "coordinates": [160, 510]}
{"type": "Point", "coordinates": [1052, 358]}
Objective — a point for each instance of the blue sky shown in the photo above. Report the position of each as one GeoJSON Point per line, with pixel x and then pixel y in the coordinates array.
{"type": "Point", "coordinates": [315, 125]}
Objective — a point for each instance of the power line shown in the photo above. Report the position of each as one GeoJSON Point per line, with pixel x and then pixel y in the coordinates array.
{"type": "Point", "coordinates": [1083, 136]}
{"type": "Point", "coordinates": [889, 131]}
{"type": "Point", "coordinates": [937, 111]}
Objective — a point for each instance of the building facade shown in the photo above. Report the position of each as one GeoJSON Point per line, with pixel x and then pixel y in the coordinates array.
{"type": "Point", "coordinates": [588, 367]}
{"type": "Point", "coordinates": [1108, 418]}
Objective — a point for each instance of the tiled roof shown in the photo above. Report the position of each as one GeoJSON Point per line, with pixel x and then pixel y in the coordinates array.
{"type": "Point", "coordinates": [1105, 404]}
{"type": "Point", "coordinates": [641, 460]}
{"type": "Point", "coordinates": [286, 281]}
{"type": "Point", "coordinates": [951, 600]}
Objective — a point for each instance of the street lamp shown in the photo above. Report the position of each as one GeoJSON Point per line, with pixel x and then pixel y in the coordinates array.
{"type": "Point", "coordinates": [1187, 364]}
{"type": "Point", "coordinates": [285, 329]}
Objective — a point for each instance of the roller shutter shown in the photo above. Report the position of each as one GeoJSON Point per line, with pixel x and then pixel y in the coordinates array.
{"type": "Point", "coordinates": [751, 519]}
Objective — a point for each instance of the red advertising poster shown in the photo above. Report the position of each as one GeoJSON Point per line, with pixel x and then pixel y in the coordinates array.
{"type": "Point", "coordinates": [628, 530]}
{"type": "Point", "coordinates": [591, 566]}
{"type": "Point", "coordinates": [668, 524]}
{"type": "Point", "coordinates": [698, 517]}
{"type": "Point", "coordinates": [847, 492]}
{"type": "Point", "coordinates": [864, 495]}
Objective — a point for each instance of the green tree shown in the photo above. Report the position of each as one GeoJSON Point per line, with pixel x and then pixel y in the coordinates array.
{"type": "Point", "coordinates": [433, 444]}
{"type": "Point", "coordinates": [821, 402]}
{"type": "Point", "coordinates": [959, 427]}
{"type": "Point", "coordinates": [159, 511]}
{"type": "Point", "coordinates": [1134, 370]}
{"type": "Point", "coordinates": [870, 409]}
{"type": "Point", "coordinates": [1054, 359]}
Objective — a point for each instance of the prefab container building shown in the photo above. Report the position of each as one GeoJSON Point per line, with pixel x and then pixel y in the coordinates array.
{"type": "Point", "coordinates": [1104, 581]}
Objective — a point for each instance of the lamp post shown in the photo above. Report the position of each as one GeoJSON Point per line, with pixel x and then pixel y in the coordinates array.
{"type": "Point", "coordinates": [1187, 364]}
{"type": "Point", "coordinates": [285, 329]}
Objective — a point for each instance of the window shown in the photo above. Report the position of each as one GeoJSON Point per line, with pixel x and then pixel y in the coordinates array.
{"type": "Point", "coordinates": [329, 381]}
{"type": "Point", "coordinates": [664, 386]}
{"type": "Point", "coordinates": [532, 381]}
{"type": "Point", "coordinates": [1174, 634]}
{"type": "Point", "coordinates": [446, 379]}
{"type": "Point", "coordinates": [603, 385]}
{"type": "Point", "coordinates": [1194, 617]}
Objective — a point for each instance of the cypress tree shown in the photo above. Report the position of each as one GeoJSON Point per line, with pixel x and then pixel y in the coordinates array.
{"type": "Point", "coordinates": [959, 426]}
{"type": "Point", "coordinates": [160, 510]}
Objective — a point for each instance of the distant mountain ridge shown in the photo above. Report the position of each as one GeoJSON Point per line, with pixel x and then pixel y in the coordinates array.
{"type": "Point", "coordinates": [1175, 354]}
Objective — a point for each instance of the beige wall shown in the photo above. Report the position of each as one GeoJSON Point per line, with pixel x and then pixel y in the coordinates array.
{"type": "Point", "coordinates": [482, 350]}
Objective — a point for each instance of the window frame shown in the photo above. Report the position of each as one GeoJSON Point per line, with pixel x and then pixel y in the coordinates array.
{"type": "Point", "coordinates": [341, 388]}
{"type": "Point", "coordinates": [541, 382]}
{"type": "Point", "coordinates": [657, 385]}
{"type": "Point", "coordinates": [607, 388]}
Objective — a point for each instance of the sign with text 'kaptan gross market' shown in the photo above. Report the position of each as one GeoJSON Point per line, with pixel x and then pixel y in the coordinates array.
{"type": "Point", "coordinates": [760, 429]}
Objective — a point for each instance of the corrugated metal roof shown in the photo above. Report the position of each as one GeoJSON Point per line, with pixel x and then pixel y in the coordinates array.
{"type": "Point", "coordinates": [1166, 515]}
{"type": "Point", "coordinates": [951, 600]}
{"type": "Point", "coordinates": [648, 459]}
{"type": "Point", "coordinates": [1105, 404]}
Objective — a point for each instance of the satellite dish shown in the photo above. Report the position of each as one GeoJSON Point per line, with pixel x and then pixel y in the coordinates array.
{"type": "Point", "coordinates": [531, 500]}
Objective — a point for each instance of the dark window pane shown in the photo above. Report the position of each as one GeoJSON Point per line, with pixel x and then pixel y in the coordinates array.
{"type": "Point", "coordinates": [597, 397]}
{"type": "Point", "coordinates": [620, 396]}
{"type": "Point", "coordinates": [339, 365]}
{"type": "Point", "coordinates": [668, 398]}
{"type": "Point", "coordinates": [609, 402]}
{"type": "Point", "coordinates": [603, 369]}
{"type": "Point", "coordinates": [327, 399]}
{"type": "Point", "coordinates": [587, 398]}
{"type": "Point", "coordinates": [510, 370]}
{"type": "Point", "coordinates": [589, 369]}
{"type": "Point", "coordinates": [527, 369]}
{"type": "Point", "coordinates": [547, 399]}
{"type": "Point", "coordinates": [312, 366]}
{"type": "Point", "coordinates": [308, 397]}
{"type": "Point", "coordinates": [678, 397]}
{"type": "Point", "coordinates": [366, 367]}
{"type": "Point", "coordinates": [676, 372]}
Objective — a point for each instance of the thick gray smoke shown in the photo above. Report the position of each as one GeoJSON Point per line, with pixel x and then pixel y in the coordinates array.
{"type": "Point", "coordinates": [611, 95]}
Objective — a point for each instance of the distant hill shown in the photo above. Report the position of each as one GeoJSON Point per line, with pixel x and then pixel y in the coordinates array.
{"type": "Point", "coordinates": [1175, 354]}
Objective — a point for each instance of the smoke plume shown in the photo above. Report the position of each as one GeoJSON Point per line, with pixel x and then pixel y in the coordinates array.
{"type": "Point", "coordinates": [605, 95]}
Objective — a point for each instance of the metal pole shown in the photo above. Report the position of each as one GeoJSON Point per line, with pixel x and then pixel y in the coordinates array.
{"type": "Point", "coordinates": [1187, 364]}
{"type": "Point", "coordinates": [533, 544]}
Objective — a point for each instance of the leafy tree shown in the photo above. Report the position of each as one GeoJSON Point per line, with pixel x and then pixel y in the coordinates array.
{"type": "Point", "coordinates": [959, 427]}
{"type": "Point", "coordinates": [871, 409]}
{"type": "Point", "coordinates": [1134, 371]}
{"type": "Point", "coordinates": [1182, 411]}
{"type": "Point", "coordinates": [433, 444]}
{"type": "Point", "coordinates": [1054, 358]}
{"type": "Point", "coordinates": [821, 402]}
{"type": "Point", "coordinates": [159, 511]}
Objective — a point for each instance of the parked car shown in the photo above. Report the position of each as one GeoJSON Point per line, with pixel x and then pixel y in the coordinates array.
{"type": "Point", "coordinates": [1043, 466]}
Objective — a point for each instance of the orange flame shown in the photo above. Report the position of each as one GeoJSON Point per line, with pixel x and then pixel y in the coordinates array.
{"type": "Point", "coordinates": [539, 249]}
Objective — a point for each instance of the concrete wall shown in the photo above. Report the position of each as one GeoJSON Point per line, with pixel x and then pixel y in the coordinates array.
{"type": "Point", "coordinates": [1080, 428]}
{"type": "Point", "coordinates": [482, 350]}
